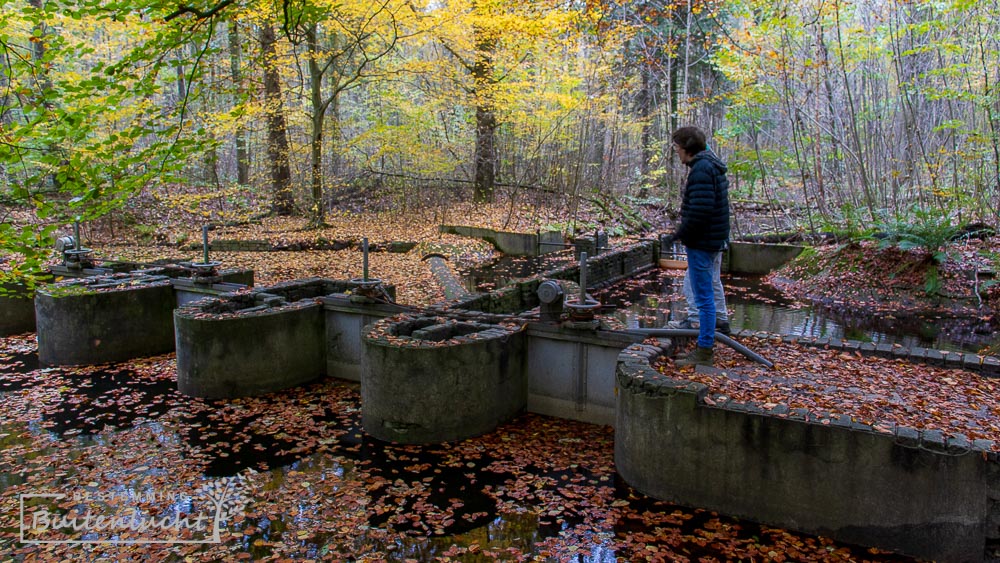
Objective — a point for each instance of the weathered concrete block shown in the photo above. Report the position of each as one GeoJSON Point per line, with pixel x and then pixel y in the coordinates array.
{"type": "Point", "coordinates": [755, 258]}
{"type": "Point", "coordinates": [972, 362]}
{"type": "Point", "coordinates": [571, 372]}
{"type": "Point", "coordinates": [17, 309]}
{"type": "Point", "coordinates": [425, 391]}
{"type": "Point", "coordinates": [517, 244]}
{"type": "Point", "coordinates": [990, 366]}
{"type": "Point", "coordinates": [344, 327]}
{"type": "Point", "coordinates": [935, 357]}
{"type": "Point", "coordinates": [104, 319]}
{"type": "Point", "coordinates": [247, 344]}
{"type": "Point", "coordinates": [864, 487]}
{"type": "Point", "coordinates": [883, 350]}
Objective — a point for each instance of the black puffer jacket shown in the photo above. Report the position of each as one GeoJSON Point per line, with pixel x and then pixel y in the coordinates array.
{"type": "Point", "coordinates": [705, 211]}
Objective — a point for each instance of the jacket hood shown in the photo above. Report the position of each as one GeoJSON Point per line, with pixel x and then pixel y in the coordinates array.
{"type": "Point", "coordinates": [710, 157]}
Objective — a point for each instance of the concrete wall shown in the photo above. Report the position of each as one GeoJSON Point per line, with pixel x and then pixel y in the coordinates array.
{"type": "Point", "coordinates": [17, 313]}
{"type": "Point", "coordinates": [571, 372]}
{"type": "Point", "coordinates": [345, 320]}
{"type": "Point", "coordinates": [266, 339]}
{"type": "Point", "coordinates": [17, 310]}
{"type": "Point", "coordinates": [186, 290]}
{"type": "Point", "coordinates": [603, 269]}
{"type": "Point", "coordinates": [912, 492]}
{"type": "Point", "coordinates": [757, 258]}
{"type": "Point", "coordinates": [235, 275]}
{"type": "Point", "coordinates": [516, 244]}
{"type": "Point", "coordinates": [753, 257]}
{"type": "Point", "coordinates": [104, 319]}
{"type": "Point", "coordinates": [225, 352]}
{"type": "Point", "coordinates": [426, 380]}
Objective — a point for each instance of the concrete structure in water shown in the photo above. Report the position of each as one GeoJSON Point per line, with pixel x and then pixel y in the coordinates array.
{"type": "Point", "coordinates": [268, 339]}
{"type": "Point", "coordinates": [571, 371]}
{"type": "Point", "coordinates": [17, 309]}
{"type": "Point", "coordinates": [915, 493]}
{"type": "Point", "coordinates": [515, 244]}
{"type": "Point", "coordinates": [112, 318]}
{"type": "Point", "coordinates": [104, 319]}
{"type": "Point", "coordinates": [912, 492]}
{"type": "Point", "coordinates": [429, 379]}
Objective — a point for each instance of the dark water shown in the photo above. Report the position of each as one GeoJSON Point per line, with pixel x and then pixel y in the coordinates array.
{"type": "Point", "coordinates": [498, 273]}
{"type": "Point", "coordinates": [654, 298]}
{"type": "Point", "coordinates": [401, 488]}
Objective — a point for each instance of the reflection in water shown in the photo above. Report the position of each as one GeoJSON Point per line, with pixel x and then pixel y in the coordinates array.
{"type": "Point", "coordinates": [505, 269]}
{"type": "Point", "coordinates": [536, 488]}
{"type": "Point", "coordinates": [654, 298]}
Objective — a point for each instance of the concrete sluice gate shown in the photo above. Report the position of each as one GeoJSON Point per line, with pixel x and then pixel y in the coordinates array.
{"type": "Point", "coordinates": [267, 339]}
{"type": "Point", "coordinates": [431, 379]}
{"type": "Point", "coordinates": [117, 317]}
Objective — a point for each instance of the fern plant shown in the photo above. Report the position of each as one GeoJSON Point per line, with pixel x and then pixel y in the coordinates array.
{"type": "Point", "coordinates": [930, 230]}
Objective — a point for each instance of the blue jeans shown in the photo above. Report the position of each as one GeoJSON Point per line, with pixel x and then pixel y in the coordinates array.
{"type": "Point", "coordinates": [701, 268]}
{"type": "Point", "coordinates": [721, 311]}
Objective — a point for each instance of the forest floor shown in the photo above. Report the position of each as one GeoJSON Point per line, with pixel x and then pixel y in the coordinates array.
{"type": "Point", "coordinates": [535, 489]}
{"type": "Point", "coordinates": [873, 277]}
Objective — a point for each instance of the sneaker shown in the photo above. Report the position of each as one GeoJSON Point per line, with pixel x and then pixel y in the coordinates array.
{"type": "Point", "coordinates": [699, 357]}
{"type": "Point", "coordinates": [723, 327]}
{"type": "Point", "coordinates": [687, 324]}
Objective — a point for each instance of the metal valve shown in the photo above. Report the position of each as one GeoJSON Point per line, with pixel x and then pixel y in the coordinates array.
{"type": "Point", "coordinates": [549, 291]}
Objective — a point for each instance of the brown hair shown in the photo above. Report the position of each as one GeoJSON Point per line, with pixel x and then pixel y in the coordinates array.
{"type": "Point", "coordinates": [691, 139]}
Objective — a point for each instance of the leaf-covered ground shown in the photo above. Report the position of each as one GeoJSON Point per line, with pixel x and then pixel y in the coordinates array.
{"type": "Point", "coordinates": [870, 276]}
{"type": "Point", "coordinates": [536, 489]}
{"type": "Point", "coordinates": [412, 277]}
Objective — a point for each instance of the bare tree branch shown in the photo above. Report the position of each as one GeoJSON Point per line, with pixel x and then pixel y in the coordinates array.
{"type": "Point", "coordinates": [200, 14]}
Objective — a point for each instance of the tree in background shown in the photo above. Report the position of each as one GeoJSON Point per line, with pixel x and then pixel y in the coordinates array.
{"type": "Point", "coordinates": [81, 133]}
{"type": "Point", "coordinates": [344, 43]}
{"type": "Point", "coordinates": [839, 114]}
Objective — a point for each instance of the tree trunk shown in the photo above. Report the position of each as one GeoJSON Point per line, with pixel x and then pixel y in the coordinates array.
{"type": "Point", "coordinates": [486, 127]}
{"type": "Point", "coordinates": [277, 130]}
{"type": "Point", "coordinates": [486, 121]}
{"type": "Point", "coordinates": [181, 88]}
{"type": "Point", "coordinates": [645, 103]}
{"type": "Point", "coordinates": [242, 157]}
{"type": "Point", "coordinates": [316, 212]}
